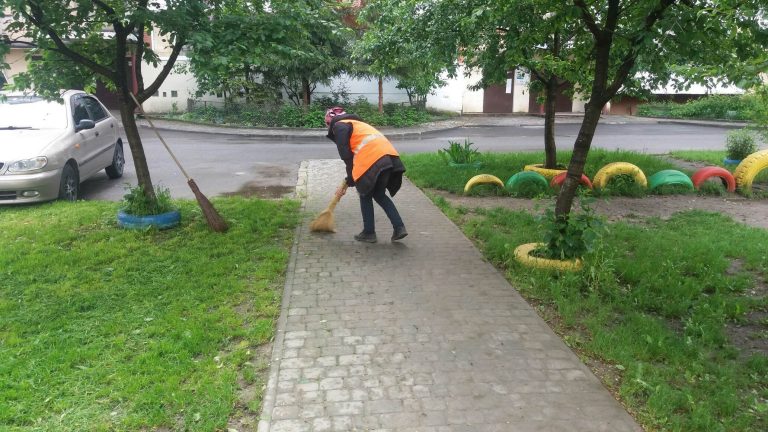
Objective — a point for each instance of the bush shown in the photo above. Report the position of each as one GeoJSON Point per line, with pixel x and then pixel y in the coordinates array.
{"type": "Point", "coordinates": [716, 107]}
{"type": "Point", "coordinates": [740, 144]}
{"type": "Point", "coordinates": [572, 237]}
{"type": "Point", "coordinates": [289, 115]}
{"type": "Point", "coordinates": [135, 202]}
{"type": "Point", "coordinates": [459, 153]}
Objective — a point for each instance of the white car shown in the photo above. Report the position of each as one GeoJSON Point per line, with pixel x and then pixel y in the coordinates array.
{"type": "Point", "coordinates": [48, 148]}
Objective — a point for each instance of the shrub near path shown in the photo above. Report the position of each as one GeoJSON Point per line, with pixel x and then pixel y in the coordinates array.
{"type": "Point", "coordinates": [103, 329]}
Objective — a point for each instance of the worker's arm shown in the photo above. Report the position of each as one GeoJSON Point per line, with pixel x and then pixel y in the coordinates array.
{"type": "Point", "coordinates": [342, 133]}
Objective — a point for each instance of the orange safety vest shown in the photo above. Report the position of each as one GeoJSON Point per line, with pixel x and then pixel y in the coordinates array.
{"type": "Point", "coordinates": [368, 145]}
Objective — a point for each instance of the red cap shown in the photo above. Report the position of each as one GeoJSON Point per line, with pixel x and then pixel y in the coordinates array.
{"type": "Point", "coordinates": [333, 112]}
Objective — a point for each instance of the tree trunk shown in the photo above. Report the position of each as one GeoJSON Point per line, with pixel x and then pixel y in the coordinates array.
{"type": "Point", "coordinates": [579, 158]}
{"type": "Point", "coordinates": [550, 149]}
{"type": "Point", "coordinates": [593, 109]}
{"type": "Point", "coordinates": [381, 95]}
{"type": "Point", "coordinates": [306, 91]}
{"type": "Point", "coordinates": [137, 149]}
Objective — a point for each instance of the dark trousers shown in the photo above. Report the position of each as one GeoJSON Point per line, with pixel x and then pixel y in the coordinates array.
{"type": "Point", "coordinates": [379, 194]}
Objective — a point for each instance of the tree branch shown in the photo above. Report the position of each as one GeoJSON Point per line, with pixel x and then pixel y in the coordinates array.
{"type": "Point", "coordinates": [37, 19]}
{"type": "Point", "coordinates": [588, 19]}
{"type": "Point", "coordinates": [145, 94]}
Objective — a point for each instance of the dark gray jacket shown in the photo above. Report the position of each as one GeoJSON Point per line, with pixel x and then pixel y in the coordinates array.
{"type": "Point", "coordinates": [340, 133]}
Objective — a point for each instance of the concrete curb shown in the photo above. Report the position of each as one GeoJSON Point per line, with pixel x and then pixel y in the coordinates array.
{"type": "Point", "coordinates": [415, 133]}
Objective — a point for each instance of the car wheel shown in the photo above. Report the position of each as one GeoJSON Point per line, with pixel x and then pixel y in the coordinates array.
{"type": "Point", "coordinates": [70, 184]}
{"type": "Point", "coordinates": [118, 162]}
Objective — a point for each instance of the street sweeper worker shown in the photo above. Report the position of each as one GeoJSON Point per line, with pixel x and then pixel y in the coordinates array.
{"type": "Point", "coordinates": [373, 168]}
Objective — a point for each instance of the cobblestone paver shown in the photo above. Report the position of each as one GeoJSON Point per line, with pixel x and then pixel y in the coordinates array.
{"type": "Point", "coordinates": [422, 335]}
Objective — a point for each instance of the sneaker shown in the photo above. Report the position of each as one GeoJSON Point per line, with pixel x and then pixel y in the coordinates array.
{"type": "Point", "coordinates": [399, 233]}
{"type": "Point", "coordinates": [366, 237]}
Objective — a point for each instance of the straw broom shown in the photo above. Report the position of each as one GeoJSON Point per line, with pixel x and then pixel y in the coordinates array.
{"type": "Point", "coordinates": [324, 222]}
{"type": "Point", "coordinates": [214, 219]}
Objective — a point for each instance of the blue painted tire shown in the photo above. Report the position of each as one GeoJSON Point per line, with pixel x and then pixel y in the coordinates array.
{"type": "Point", "coordinates": [160, 221]}
{"type": "Point", "coordinates": [727, 161]}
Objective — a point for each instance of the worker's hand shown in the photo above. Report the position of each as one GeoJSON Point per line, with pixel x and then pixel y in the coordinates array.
{"type": "Point", "coordinates": [341, 191]}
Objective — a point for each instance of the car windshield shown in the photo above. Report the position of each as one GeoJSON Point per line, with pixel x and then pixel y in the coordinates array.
{"type": "Point", "coordinates": [31, 112]}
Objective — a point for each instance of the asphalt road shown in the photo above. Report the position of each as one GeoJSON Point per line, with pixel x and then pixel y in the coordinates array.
{"type": "Point", "coordinates": [227, 164]}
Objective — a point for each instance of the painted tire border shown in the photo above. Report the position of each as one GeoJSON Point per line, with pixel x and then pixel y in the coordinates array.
{"type": "Point", "coordinates": [705, 173]}
{"type": "Point", "coordinates": [749, 168]}
{"type": "Point", "coordinates": [560, 178]}
{"type": "Point", "coordinates": [161, 221]}
{"type": "Point", "coordinates": [523, 256]}
{"type": "Point", "coordinates": [483, 179]}
{"type": "Point", "coordinates": [525, 176]}
{"type": "Point", "coordinates": [669, 177]}
{"type": "Point", "coordinates": [616, 168]}
{"type": "Point", "coordinates": [548, 173]}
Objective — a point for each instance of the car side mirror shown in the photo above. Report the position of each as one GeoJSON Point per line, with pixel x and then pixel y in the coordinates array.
{"type": "Point", "coordinates": [85, 124]}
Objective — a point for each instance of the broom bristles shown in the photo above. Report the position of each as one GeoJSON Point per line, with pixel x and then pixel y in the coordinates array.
{"type": "Point", "coordinates": [324, 222]}
{"type": "Point", "coordinates": [214, 219]}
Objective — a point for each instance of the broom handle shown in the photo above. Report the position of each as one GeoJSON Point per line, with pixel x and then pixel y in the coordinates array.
{"type": "Point", "coordinates": [141, 110]}
{"type": "Point", "coordinates": [336, 199]}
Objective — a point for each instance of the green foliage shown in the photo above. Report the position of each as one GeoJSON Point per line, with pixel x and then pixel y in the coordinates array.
{"type": "Point", "coordinates": [132, 330]}
{"type": "Point", "coordinates": [739, 144]}
{"type": "Point", "coordinates": [459, 153]}
{"type": "Point", "coordinates": [286, 115]}
{"type": "Point", "coordinates": [135, 201]}
{"type": "Point", "coordinates": [571, 237]}
{"type": "Point", "coordinates": [622, 185]}
{"type": "Point", "coordinates": [255, 51]}
{"type": "Point", "coordinates": [715, 107]}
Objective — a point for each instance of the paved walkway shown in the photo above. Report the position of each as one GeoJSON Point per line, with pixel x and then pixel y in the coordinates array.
{"type": "Point", "coordinates": [422, 335]}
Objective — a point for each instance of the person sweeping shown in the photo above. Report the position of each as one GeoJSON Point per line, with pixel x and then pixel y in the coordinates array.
{"type": "Point", "coordinates": [373, 168]}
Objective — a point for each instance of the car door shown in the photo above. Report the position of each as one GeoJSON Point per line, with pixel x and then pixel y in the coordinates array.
{"type": "Point", "coordinates": [105, 132]}
{"type": "Point", "coordinates": [89, 144]}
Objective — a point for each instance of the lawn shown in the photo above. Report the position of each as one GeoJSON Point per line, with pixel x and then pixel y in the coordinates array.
{"type": "Point", "coordinates": [661, 310]}
{"type": "Point", "coordinates": [104, 329]}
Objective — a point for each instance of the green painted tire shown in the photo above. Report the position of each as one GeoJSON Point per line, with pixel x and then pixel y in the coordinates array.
{"type": "Point", "coordinates": [523, 177]}
{"type": "Point", "coordinates": [669, 177]}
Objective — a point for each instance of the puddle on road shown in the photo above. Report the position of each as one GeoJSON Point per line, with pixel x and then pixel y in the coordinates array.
{"type": "Point", "coordinates": [252, 189]}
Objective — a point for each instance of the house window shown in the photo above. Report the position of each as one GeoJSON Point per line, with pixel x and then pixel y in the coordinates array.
{"type": "Point", "coordinates": [157, 93]}
{"type": "Point", "coordinates": [174, 93]}
{"type": "Point", "coordinates": [164, 94]}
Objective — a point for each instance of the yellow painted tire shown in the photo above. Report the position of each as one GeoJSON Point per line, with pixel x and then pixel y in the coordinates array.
{"type": "Point", "coordinates": [749, 167]}
{"type": "Point", "coordinates": [523, 256]}
{"type": "Point", "coordinates": [548, 173]}
{"type": "Point", "coordinates": [617, 168]}
{"type": "Point", "coordinates": [483, 179]}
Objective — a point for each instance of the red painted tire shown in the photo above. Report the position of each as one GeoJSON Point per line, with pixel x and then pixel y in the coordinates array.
{"type": "Point", "coordinates": [714, 171]}
{"type": "Point", "coordinates": [560, 178]}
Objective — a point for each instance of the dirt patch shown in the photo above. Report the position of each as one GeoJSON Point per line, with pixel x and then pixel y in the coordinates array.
{"type": "Point", "coordinates": [751, 212]}
{"type": "Point", "coordinates": [750, 335]}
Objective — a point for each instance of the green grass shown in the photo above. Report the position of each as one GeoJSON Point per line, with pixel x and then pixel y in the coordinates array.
{"type": "Point", "coordinates": [710, 157]}
{"type": "Point", "coordinates": [652, 305]}
{"type": "Point", "coordinates": [428, 170]}
{"type": "Point", "coordinates": [104, 329]}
